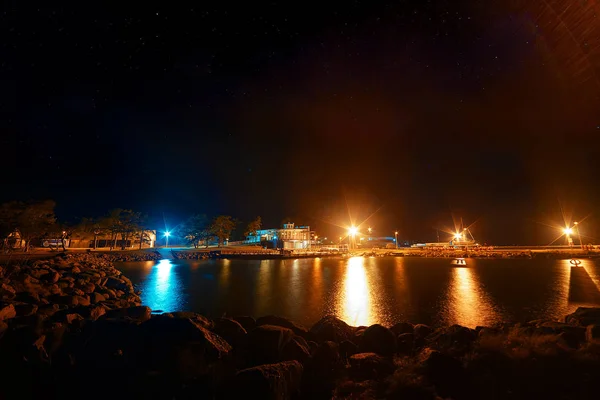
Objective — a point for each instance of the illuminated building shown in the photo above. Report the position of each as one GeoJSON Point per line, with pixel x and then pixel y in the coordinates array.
{"type": "Point", "coordinates": [288, 237]}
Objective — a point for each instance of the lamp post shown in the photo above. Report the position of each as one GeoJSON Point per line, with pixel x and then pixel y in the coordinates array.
{"type": "Point", "coordinates": [352, 234]}
{"type": "Point", "coordinates": [167, 234]}
{"type": "Point", "coordinates": [579, 234]}
{"type": "Point", "coordinates": [396, 239]}
{"type": "Point", "coordinates": [568, 231]}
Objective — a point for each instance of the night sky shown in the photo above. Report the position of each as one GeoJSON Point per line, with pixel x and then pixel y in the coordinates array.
{"type": "Point", "coordinates": [409, 111]}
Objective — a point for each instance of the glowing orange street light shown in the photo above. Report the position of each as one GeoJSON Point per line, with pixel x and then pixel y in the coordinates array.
{"type": "Point", "coordinates": [352, 231]}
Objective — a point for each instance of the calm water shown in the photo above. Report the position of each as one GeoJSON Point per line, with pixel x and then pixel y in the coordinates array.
{"type": "Point", "coordinates": [364, 291]}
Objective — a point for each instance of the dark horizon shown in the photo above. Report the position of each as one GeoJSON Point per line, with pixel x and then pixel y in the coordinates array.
{"type": "Point", "coordinates": [407, 112]}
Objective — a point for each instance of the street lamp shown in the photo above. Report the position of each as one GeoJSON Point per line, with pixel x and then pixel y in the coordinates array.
{"type": "Point", "coordinates": [167, 234]}
{"type": "Point", "coordinates": [396, 239]}
{"type": "Point", "coordinates": [352, 233]}
{"type": "Point", "coordinates": [568, 231]}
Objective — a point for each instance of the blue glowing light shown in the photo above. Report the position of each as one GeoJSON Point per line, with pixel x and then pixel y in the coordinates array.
{"type": "Point", "coordinates": [167, 234]}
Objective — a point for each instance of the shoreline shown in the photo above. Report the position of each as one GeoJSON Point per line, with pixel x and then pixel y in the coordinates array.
{"type": "Point", "coordinates": [521, 254]}
{"type": "Point", "coordinates": [67, 321]}
{"type": "Point", "coordinates": [155, 254]}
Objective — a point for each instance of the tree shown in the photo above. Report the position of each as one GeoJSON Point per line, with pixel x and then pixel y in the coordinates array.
{"type": "Point", "coordinates": [90, 229]}
{"type": "Point", "coordinates": [222, 226]}
{"type": "Point", "coordinates": [196, 229]}
{"type": "Point", "coordinates": [253, 227]}
{"type": "Point", "coordinates": [32, 220]}
{"type": "Point", "coordinates": [129, 224]}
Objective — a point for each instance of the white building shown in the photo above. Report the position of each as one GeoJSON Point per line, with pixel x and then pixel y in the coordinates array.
{"type": "Point", "coordinates": [289, 237]}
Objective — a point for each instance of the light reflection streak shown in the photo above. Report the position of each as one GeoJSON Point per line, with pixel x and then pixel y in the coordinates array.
{"type": "Point", "coordinates": [468, 303]}
{"type": "Point", "coordinates": [263, 287]}
{"type": "Point", "coordinates": [355, 302]}
{"type": "Point", "coordinates": [316, 287]}
{"type": "Point", "coordinates": [162, 288]}
{"type": "Point", "coordinates": [402, 293]}
{"type": "Point", "coordinates": [224, 274]}
{"type": "Point", "coordinates": [295, 282]}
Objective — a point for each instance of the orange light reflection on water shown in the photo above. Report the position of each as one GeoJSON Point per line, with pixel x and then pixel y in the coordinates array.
{"type": "Point", "coordinates": [224, 273]}
{"type": "Point", "coordinates": [263, 287]}
{"type": "Point", "coordinates": [468, 302]}
{"type": "Point", "coordinates": [355, 302]}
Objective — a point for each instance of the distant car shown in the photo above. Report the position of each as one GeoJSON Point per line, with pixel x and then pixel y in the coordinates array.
{"type": "Point", "coordinates": [390, 246]}
{"type": "Point", "coordinates": [52, 242]}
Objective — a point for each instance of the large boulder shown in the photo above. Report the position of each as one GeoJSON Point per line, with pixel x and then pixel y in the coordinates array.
{"type": "Point", "coordinates": [7, 292]}
{"type": "Point", "coordinates": [52, 277]}
{"type": "Point", "coordinates": [456, 338]}
{"type": "Point", "coordinates": [279, 381]}
{"type": "Point", "coordinates": [231, 331]}
{"type": "Point", "coordinates": [247, 322]}
{"type": "Point", "coordinates": [332, 329]}
{"type": "Point", "coordinates": [283, 322]}
{"type": "Point", "coordinates": [38, 273]}
{"type": "Point", "coordinates": [25, 309]}
{"type": "Point", "coordinates": [584, 316]}
{"type": "Point", "coordinates": [347, 348]}
{"type": "Point", "coordinates": [406, 344]}
{"type": "Point", "coordinates": [296, 349]}
{"type": "Point", "coordinates": [7, 311]}
{"type": "Point", "coordinates": [197, 318]}
{"type": "Point", "coordinates": [364, 366]}
{"type": "Point", "coordinates": [138, 314]}
{"type": "Point", "coordinates": [422, 331]}
{"type": "Point", "coordinates": [378, 339]}
{"type": "Point", "coordinates": [402, 327]}
{"type": "Point", "coordinates": [444, 372]}
{"type": "Point", "coordinates": [184, 348]}
{"type": "Point", "coordinates": [327, 357]}
{"type": "Point", "coordinates": [266, 343]}
{"type": "Point", "coordinates": [592, 333]}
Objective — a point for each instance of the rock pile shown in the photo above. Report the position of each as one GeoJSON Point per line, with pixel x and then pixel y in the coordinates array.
{"type": "Point", "coordinates": [72, 327]}
{"type": "Point", "coordinates": [127, 256]}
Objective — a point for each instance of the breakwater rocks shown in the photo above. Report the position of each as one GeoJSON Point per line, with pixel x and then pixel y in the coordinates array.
{"type": "Point", "coordinates": [59, 340]}
{"type": "Point", "coordinates": [195, 255]}
{"type": "Point", "coordinates": [472, 254]}
{"type": "Point", "coordinates": [86, 283]}
{"type": "Point", "coordinates": [129, 255]}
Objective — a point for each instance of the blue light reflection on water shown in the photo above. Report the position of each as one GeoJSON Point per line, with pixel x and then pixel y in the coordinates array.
{"type": "Point", "coordinates": [163, 289]}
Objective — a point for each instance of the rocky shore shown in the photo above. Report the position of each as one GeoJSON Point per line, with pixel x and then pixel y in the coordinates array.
{"type": "Point", "coordinates": [126, 256]}
{"type": "Point", "coordinates": [72, 327]}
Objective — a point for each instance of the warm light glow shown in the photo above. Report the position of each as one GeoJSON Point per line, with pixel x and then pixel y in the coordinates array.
{"type": "Point", "coordinates": [457, 236]}
{"type": "Point", "coordinates": [468, 303]}
{"type": "Point", "coordinates": [395, 233]}
{"type": "Point", "coordinates": [567, 231]}
{"type": "Point", "coordinates": [353, 231]}
{"type": "Point", "coordinates": [356, 305]}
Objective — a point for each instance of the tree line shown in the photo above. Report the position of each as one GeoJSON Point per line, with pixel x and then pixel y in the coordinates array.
{"type": "Point", "coordinates": [36, 220]}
